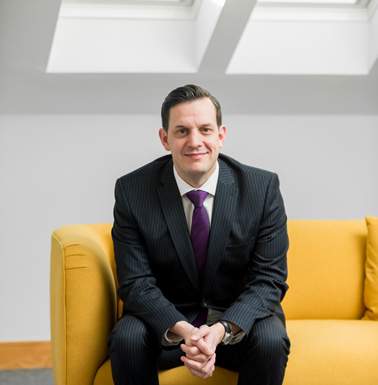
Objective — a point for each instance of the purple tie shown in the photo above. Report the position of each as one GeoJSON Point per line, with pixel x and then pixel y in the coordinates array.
{"type": "Point", "coordinates": [199, 236]}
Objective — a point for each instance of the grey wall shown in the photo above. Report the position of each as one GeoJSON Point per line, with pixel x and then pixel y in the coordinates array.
{"type": "Point", "coordinates": [59, 170]}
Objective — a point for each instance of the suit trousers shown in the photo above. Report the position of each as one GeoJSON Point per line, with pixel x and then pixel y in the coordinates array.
{"type": "Point", "coordinates": [260, 358]}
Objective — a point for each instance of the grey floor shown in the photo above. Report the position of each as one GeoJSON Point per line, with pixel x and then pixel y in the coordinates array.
{"type": "Point", "coordinates": [26, 377]}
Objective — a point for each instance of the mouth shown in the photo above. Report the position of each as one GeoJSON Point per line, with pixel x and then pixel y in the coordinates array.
{"type": "Point", "coordinates": [195, 155]}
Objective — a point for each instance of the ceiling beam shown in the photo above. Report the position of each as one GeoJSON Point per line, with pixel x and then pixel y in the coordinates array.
{"type": "Point", "coordinates": [227, 33]}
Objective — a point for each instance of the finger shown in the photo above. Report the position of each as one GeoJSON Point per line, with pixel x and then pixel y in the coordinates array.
{"type": "Point", "coordinates": [204, 347]}
{"type": "Point", "coordinates": [200, 333]}
{"type": "Point", "coordinates": [193, 366]}
{"type": "Point", "coordinates": [200, 370]}
{"type": "Point", "coordinates": [208, 369]}
{"type": "Point", "coordinates": [194, 372]}
{"type": "Point", "coordinates": [198, 362]}
{"type": "Point", "coordinates": [209, 366]}
{"type": "Point", "coordinates": [191, 350]}
{"type": "Point", "coordinates": [200, 374]}
{"type": "Point", "coordinates": [198, 356]}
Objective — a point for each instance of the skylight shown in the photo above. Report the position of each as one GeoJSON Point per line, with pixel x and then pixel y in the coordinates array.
{"type": "Point", "coordinates": [319, 37]}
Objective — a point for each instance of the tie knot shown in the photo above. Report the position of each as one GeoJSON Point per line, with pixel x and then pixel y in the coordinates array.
{"type": "Point", "coordinates": [197, 197]}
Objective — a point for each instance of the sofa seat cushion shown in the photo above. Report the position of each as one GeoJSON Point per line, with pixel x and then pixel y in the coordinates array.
{"type": "Point", "coordinates": [176, 376]}
{"type": "Point", "coordinates": [332, 352]}
{"type": "Point", "coordinates": [326, 352]}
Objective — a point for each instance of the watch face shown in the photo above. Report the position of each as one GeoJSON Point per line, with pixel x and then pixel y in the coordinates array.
{"type": "Point", "coordinates": [228, 333]}
{"type": "Point", "coordinates": [227, 338]}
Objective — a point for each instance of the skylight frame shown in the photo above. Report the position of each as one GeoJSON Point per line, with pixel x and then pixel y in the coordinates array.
{"type": "Point", "coordinates": [337, 4]}
{"type": "Point", "coordinates": [132, 2]}
{"type": "Point", "coordinates": [130, 9]}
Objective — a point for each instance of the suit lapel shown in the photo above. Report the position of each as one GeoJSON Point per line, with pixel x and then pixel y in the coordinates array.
{"type": "Point", "coordinates": [224, 207]}
{"type": "Point", "coordinates": [171, 204]}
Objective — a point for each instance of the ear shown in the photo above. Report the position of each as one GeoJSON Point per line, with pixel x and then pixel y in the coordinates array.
{"type": "Point", "coordinates": [164, 139]}
{"type": "Point", "coordinates": [222, 135]}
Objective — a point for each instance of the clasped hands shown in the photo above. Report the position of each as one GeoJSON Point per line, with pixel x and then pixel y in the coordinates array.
{"type": "Point", "coordinates": [199, 346]}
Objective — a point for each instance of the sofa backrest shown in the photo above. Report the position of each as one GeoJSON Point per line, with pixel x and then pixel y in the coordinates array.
{"type": "Point", "coordinates": [326, 262]}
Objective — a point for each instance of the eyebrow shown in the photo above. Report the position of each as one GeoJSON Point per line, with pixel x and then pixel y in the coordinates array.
{"type": "Point", "coordinates": [202, 125]}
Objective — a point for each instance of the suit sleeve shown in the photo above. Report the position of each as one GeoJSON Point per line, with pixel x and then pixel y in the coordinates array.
{"type": "Point", "coordinates": [137, 285]}
{"type": "Point", "coordinates": [267, 270]}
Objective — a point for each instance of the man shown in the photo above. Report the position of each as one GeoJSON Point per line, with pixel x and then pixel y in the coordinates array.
{"type": "Point", "coordinates": [192, 299]}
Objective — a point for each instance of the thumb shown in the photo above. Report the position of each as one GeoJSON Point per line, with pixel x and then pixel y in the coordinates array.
{"type": "Point", "coordinates": [200, 333]}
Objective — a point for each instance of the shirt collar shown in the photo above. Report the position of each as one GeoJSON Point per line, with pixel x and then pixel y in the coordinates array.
{"type": "Point", "coordinates": [209, 186]}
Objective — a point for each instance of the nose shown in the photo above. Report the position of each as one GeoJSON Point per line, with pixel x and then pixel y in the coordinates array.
{"type": "Point", "coordinates": [194, 139]}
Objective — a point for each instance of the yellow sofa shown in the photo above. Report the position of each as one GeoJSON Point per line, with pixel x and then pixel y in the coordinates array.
{"type": "Point", "coordinates": [331, 306]}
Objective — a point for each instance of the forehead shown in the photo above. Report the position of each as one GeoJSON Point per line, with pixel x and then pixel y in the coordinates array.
{"type": "Point", "coordinates": [193, 111]}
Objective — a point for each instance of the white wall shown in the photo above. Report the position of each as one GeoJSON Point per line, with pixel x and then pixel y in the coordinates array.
{"type": "Point", "coordinates": [327, 164]}
{"type": "Point", "coordinates": [59, 170]}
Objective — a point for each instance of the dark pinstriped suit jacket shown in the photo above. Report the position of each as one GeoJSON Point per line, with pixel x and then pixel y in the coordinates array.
{"type": "Point", "coordinates": [246, 265]}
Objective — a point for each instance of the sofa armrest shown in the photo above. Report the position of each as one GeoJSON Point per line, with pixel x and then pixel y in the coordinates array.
{"type": "Point", "coordinates": [83, 301]}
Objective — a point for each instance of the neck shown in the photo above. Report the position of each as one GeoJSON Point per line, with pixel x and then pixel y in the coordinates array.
{"type": "Point", "coordinates": [196, 181]}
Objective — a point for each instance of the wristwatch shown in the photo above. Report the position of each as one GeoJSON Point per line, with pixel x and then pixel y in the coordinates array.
{"type": "Point", "coordinates": [228, 332]}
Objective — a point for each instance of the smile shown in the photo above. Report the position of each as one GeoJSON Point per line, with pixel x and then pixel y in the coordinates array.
{"type": "Point", "coordinates": [196, 155]}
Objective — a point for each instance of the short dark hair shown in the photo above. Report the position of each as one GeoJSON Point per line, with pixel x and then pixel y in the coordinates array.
{"type": "Point", "coordinates": [187, 93]}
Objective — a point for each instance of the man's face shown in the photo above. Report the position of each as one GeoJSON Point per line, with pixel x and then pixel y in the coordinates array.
{"type": "Point", "coordinates": [194, 140]}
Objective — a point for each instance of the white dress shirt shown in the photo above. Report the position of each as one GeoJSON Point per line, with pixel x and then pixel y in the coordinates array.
{"type": "Point", "coordinates": [209, 186]}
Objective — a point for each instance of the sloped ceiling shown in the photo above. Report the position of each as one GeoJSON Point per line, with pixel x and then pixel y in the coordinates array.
{"type": "Point", "coordinates": [258, 59]}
